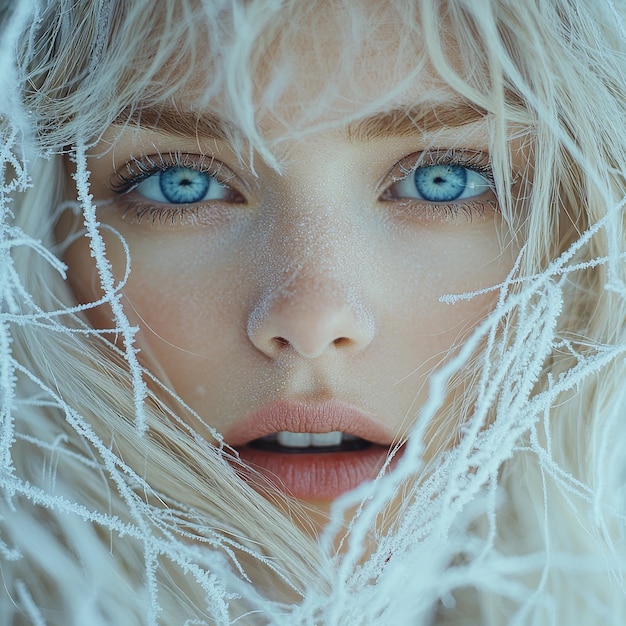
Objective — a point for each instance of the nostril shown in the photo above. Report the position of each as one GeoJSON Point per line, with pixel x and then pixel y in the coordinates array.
{"type": "Point", "coordinates": [281, 342]}
{"type": "Point", "coordinates": [341, 341]}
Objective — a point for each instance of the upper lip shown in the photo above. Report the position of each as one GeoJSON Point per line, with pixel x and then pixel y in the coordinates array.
{"type": "Point", "coordinates": [307, 417]}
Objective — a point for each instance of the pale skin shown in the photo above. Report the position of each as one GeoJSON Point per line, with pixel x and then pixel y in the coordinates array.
{"type": "Point", "coordinates": [319, 282]}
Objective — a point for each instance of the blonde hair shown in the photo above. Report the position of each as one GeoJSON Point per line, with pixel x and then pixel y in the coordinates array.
{"type": "Point", "coordinates": [522, 522]}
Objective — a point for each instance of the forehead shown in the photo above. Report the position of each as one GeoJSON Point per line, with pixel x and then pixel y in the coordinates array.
{"type": "Point", "coordinates": [331, 64]}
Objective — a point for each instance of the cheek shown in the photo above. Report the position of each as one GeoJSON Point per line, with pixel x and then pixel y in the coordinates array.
{"type": "Point", "coordinates": [180, 316]}
{"type": "Point", "coordinates": [430, 267]}
{"type": "Point", "coordinates": [189, 307]}
{"type": "Point", "coordinates": [177, 299]}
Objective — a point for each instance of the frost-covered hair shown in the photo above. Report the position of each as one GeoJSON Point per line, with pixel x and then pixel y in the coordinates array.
{"type": "Point", "coordinates": [115, 511]}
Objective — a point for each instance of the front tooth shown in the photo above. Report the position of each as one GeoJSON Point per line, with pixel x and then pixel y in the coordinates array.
{"type": "Point", "coordinates": [322, 440]}
{"type": "Point", "coordinates": [294, 440]}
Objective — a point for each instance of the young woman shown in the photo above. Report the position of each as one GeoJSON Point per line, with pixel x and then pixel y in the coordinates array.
{"type": "Point", "coordinates": [313, 312]}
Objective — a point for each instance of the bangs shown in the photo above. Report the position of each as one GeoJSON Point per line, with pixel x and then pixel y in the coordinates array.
{"type": "Point", "coordinates": [89, 65]}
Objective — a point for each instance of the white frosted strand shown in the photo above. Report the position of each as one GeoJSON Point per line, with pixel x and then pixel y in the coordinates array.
{"type": "Point", "coordinates": [105, 272]}
{"type": "Point", "coordinates": [540, 329]}
{"type": "Point", "coordinates": [453, 298]}
{"type": "Point", "coordinates": [547, 399]}
{"type": "Point", "coordinates": [22, 13]}
{"type": "Point", "coordinates": [614, 282]}
{"type": "Point", "coordinates": [388, 485]}
{"type": "Point", "coordinates": [103, 21]}
{"type": "Point", "coordinates": [156, 547]}
{"type": "Point", "coordinates": [13, 288]}
{"type": "Point", "coordinates": [39, 497]}
{"type": "Point", "coordinates": [141, 512]}
{"type": "Point", "coordinates": [19, 238]}
{"type": "Point", "coordinates": [7, 389]}
{"type": "Point", "coordinates": [500, 311]}
{"type": "Point", "coordinates": [7, 375]}
{"type": "Point", "coordinates": [151, 564]}
{"type": "Point", "coordinates": [216, 595]}
{"type": "Point", "coordinates": [555, 267]}
{"type": "Point", "coordinates": [492, 491]}
{"type": "Point", "coordinates": [562, 478]}
{"type": "Point", "coordinates": [505, 369]}
{"type": "Point", "coordinates": [35, 22]}
{"type": "Point", "coordinates": [578, 373]}
{"type": "Point", "coordinates": [619, 20]}
{"type": "Point", "coordinates": [10, 554]}
{"type": "Point", "coordinates": [28, 605]}
{"type": "Point", "coordinates": [190, 559]}
{"type": "Point", "coordinates": [38, 314]}
{"type": "Point", "coordinates": [543, 402]}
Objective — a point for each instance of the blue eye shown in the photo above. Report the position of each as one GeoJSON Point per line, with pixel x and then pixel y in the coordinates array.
{"type": "Point", "coordinates": [181, 185]}
{"type": "Point", "coordinates": [443, 183]}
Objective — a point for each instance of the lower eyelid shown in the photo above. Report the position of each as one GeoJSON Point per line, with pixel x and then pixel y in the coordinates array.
{"type": "Point", "coordinates": [410, 210]}
{"type": "Point", "coordinates": [136, 212]}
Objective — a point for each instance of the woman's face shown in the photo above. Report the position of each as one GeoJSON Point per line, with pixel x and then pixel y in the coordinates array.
{"type": "Point", "coordinates": [299, 313]}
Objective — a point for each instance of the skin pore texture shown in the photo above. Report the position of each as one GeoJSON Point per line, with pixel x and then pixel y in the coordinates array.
{"type": "Point", "coordinates": [315, 288]}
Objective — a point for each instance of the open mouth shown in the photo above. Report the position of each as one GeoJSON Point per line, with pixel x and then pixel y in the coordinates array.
{"type": "Point", "coordinates": [314, 466]}
{"type": "Point", "coordinates": [314, 451]}
{"type": "Point", "coordinates": [297, 443]}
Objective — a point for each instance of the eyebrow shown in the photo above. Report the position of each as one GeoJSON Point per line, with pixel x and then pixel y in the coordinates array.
{"type": "Point", "coordinates": [421, 118]}
{"type": "Point", "coordinates": [399, 122]}
{"type": "Point", "coordinates": [180, 123]}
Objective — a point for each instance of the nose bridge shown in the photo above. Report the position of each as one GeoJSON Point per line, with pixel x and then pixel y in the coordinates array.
{"type": "Point", "coordinates": [312, 296]}
{"type": "Point", "coordinates": [313, 248]}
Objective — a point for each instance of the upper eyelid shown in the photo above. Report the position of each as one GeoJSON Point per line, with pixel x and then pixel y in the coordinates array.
{"type": "Point", "coordinates": [138, 168]}
{"type": "Point", "coordinates": [476, 160]}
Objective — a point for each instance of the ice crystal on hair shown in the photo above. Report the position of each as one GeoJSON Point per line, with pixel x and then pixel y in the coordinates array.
{"type": "Point", "coordinates": [116, 510]}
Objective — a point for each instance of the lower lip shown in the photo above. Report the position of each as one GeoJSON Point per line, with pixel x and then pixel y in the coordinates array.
{"type": "Point", "coordinates": [316, 476]}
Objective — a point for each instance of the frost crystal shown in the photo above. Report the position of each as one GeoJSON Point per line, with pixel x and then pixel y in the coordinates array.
{"type": "Point", "coordinates": [94, 531]}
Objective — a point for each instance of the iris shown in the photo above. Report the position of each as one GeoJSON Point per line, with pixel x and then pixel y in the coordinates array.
{"type": "Point", "coordinates": [184, 185]}
{"type": "Point", "coordinates": [441, 183]}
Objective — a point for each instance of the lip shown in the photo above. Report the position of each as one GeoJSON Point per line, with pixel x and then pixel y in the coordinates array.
{"type": "Point", "coordinates": [307, 417]}
{"type": "Point", "coordinates": [312, 475]}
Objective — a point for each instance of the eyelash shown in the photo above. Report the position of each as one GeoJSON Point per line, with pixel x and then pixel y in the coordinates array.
{"type": "Point", "coordinates": [141, 168]}
{"type": "Point", "coordinates": [471, 160]}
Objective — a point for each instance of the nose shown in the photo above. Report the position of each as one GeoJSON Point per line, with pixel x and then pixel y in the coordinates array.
{"type": "Point", "coordinates": [308, 326]}
{"type": "Point", "coordinates": [311, 306]}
